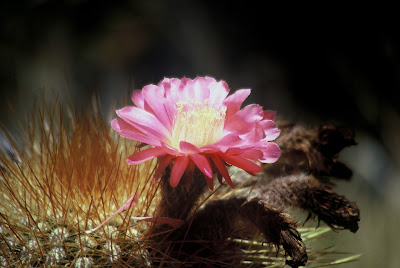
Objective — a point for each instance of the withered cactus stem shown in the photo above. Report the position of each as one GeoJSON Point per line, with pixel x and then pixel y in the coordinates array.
{"type": "Point", "coordinates": [301, 177]}
{"type": "Point", "coordinates": [306, 192]}
{"type": "Point", "coordinates": [221, 218]}
{"type": "Point", "coordinates": [212, 225]}
{"type": "Point", "coordinates": [311, 150]}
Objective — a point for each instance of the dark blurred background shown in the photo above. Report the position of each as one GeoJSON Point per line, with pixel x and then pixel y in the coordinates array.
{"type": "Point", "coordinates": [315, 65]}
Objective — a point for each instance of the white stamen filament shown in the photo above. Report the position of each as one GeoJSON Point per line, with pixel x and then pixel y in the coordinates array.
{"type": "Point", "coordinates": [197, 123]}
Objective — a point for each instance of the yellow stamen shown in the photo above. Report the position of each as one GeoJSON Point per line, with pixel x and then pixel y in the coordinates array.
{"type": "Point", "coordinates": [198, 123]}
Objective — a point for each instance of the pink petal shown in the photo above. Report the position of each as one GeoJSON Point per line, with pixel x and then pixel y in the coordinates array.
{"type": "Point", "coordinates": [236, 125]}
{"type": "Point", "coordinates": [188, 148]}
{"type": "Point", "coordinates": [201, 91]}
{"type": "Point", "coordinates": [184, 93]}
{"type": "Point", "coordinates": [228, 141]}
{"type": "Point", "coordinates": [243, 121]}
{"type": "Point", "coordinates": [165, 83]}
{"type": "Point", "coordinates": [222, 169]}
{"type": "Point", "coordinates": [235, 151]}
{"type": "Point", "coordinates": [209, 79]}
{"type": "Point", "coordinates": [189, 90]}
{"type": "Point", "coordinates": [252, 154]}
{"type": "Point", "coordinates": [218, 92]}
{"type": "Point", "coordinates": [138, 99]}
{"type": "Point", "coordinates": [234, 101]}
{"type": "Point", "coordinates": [128, 131]}
{"type": "Point", "coordinates": [271, 115]}
{"type": "Point", "coordinates": [181, 162]}
{"type": "Point", "coordinates": [162, 165]}
{"type": "Point", "coordinates": [242, 163]}
{"type": "Point", "coordinates": [121, 123]}
{"type": "Point", "coordinates": [115, 124]}
{"type": "Point", "coordinates": [140, 137]}
{"type": "Point", "coordinates": [251, 113]}
{"type": "Point", "coordinates": [170, 150]}
{"type": "Point", "coordinates": [270, 129]}
{"type": "Point", "coordinates": [210, 182]}
{"type": "Point", "coordinates": [256, 134]}
{"type": "Point", "coordinates": [145, 155]}
{"type": "Point", "coordinates": [171, 89]}
{"type": "Point", "coordinates": [171, 110]}
{"type": "Point", "coordinates": [202, 163]}
{"type": "Point", "coordinates": [210, 148]}
{"type": "Point", "coordinates": [154, 97]}
{"type": "Point", "coordinates": [271, 153]}
{"type": "Point", "coordinates": [143, 119]}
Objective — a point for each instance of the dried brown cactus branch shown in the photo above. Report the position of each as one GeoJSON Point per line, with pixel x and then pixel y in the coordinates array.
{"type": "Point", "coordinates": [306, 192]}
{"type": "Point", "coordinates": [311, 150]}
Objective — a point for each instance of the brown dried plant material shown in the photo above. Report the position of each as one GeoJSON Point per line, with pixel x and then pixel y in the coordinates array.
{"type": "Point", "coordinates": [311, 150]}
{"type": "Point", "coordinates": [303, 173]}
{"type": "Point", "coordinates": [306, 192]}
{"type": "Point", "coordinates": [207, 231]}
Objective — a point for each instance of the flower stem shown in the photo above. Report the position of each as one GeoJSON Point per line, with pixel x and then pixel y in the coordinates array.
{"type": "Point", "coordinates": [178, 202]}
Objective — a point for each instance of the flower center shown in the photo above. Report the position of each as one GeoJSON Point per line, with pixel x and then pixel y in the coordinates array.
{"type": "Point", "coordinates": [198, 123]}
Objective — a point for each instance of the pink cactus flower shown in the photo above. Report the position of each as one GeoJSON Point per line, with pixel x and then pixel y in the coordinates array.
{"type": "Point", "coordinates": [195, 124]}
